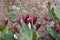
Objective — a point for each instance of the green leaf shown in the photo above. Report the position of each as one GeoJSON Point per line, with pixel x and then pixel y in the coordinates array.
{"type": "Point", "coordinates": [35, 37]}
{"type": "Point", "coordinates": [8, 36]}
{"type": "Point", "coordinates": [49, 12]}
{"type": "Point", "coordinates": [26, 33]}
{"type": "Point", "coordinates": [51, 31]}
{"type": "Point", "coordinates": [12, 31]}
{"type": "Point", "coordinates": [2, 27]}
{"type": "Point", "coordinates": [57, 37]}
{"type": "Point", "coordinates": [1, 36]}
{"type": "Point", "coordinates": [52, 14]}
{"type": "Point", "coordinates": [55, 16]}
{"type": "Point", "coordinates": [12, 17]}
{"type": "Point", "coordinates": [57, 11]}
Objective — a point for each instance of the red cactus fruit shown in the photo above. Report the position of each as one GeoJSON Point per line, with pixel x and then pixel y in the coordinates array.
{"type": "Point", "coordinates": [25, 17]}
{"type": "Point", "coordinates": [38, 24]}
{"type": "Point", "coordinates": [5, 21]}
{"type": "Point", "coordinates": [46, 18]}
{"type": "Point", "coordinates": [34, 19]}
{"type": "Point", "coordinates": [18, 20]}
{"type": "Point", "coordinates": [15, 28]}
{"type": "Point", "coordinates": [29, 20]}
{"type": "Point", "coordinates": [58, 28]}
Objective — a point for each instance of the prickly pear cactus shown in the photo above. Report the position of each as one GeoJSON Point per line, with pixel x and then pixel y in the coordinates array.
{"type": "Point", "coordinates": [54, 14]}
{"type": "Point", "coordinates": [27, 34]}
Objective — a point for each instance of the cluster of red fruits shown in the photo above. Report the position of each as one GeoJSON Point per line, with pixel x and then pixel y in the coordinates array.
{"type": "Point", "coordinates": [33, 21]}
{"type": "Point", "coordinates": [27, 19]}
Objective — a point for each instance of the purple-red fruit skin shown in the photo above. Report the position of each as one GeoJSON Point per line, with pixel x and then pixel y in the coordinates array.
{"type": "Point", "coordinates": [25, 17]}
{"type": "Point", "coordinates": [58, 28]}
{"type": "Point", "coordinates": [29, 20]}
{"type": "Point", "coordinates": [46, 18]}
{"type": "Point", "coordinates": [18, 20]}
{"type": "Point", "coordinates": [5, 21]}
{"type": "Point", "coordinates": [34, 19]}
{"type": "Point", "coordinates": [38, 24]}
{"type": "Point", "coordinates": [15, 28]}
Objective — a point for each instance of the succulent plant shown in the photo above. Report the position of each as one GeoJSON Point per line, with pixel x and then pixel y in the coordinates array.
{"type": "Point", "coordinates": [54, 15]}
{"type": "Point", "coordinates": [28, 30]}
